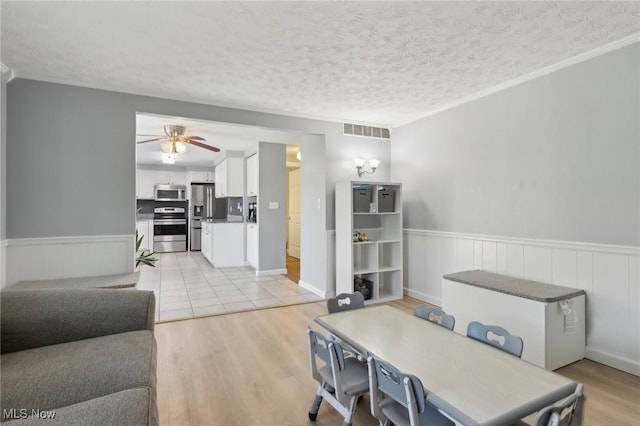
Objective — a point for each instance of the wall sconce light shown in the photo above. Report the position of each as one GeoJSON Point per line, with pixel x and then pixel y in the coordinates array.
{"type": "Point", "coordinates": [360, 162]}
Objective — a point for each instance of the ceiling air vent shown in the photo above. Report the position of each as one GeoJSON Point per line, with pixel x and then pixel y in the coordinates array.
{"type": "Point", "coordinates": [367, 131]}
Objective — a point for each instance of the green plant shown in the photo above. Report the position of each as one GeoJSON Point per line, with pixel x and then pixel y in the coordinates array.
{"type": "Point", "coordinates": [142, 257]}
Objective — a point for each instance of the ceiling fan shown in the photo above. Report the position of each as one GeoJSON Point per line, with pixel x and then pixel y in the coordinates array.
{"type": "Point", "coordinates": [175, 140]}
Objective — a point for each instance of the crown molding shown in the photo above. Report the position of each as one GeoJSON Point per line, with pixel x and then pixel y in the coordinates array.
{"type": "Point", "coordinates": [29, 76]}
{"type": "Point", "coordinates": [635, 38]}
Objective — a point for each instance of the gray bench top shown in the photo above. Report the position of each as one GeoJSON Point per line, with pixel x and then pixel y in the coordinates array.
{"type": "Point", "coordinates": [520, 287]}
{"type": "Point", "coordinates": [102, 281]}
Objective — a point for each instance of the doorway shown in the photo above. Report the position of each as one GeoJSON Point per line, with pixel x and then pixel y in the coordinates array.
{"type": "Point", "coordinates": [293, 215]}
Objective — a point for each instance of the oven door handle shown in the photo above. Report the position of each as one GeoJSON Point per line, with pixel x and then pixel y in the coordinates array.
{"type": "Point", "coordinates": [169, 222]}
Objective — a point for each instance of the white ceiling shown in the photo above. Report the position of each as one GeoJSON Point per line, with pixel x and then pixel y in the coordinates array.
{"type": "Point", "coordinates": [383, 63]}
{"type": "Point", "coordinates": [227, 137]}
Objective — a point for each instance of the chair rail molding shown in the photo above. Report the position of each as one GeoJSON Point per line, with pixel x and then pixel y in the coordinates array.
{"type": "Point", "coordinates": [609, 274]}
{"type": "Point", "coordinates": [68, 257]}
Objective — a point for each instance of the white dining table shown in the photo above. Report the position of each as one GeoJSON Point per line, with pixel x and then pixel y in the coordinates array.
{"type": "Point", "coordinates": [472, 382]}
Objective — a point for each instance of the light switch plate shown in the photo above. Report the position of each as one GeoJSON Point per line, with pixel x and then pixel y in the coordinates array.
{"type": "Point", "coordinates": [274, 205]}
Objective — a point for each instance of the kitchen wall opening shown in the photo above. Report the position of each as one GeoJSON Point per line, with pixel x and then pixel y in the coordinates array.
{"type": "Point", "coordinates": [215, 193]}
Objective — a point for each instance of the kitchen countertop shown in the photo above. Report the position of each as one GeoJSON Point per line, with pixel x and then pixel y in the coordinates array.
{"type": "Point", "coordinates": [141, 217]}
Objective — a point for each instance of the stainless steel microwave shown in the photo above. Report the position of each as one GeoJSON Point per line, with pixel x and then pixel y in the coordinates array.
{"type": "Point", "coordinates": [170, 192]}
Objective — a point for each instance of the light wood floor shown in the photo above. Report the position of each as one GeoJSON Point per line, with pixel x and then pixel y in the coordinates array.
{"type": "Point", "coordinates": [252, 368]}
{"type": "Point", "coordinates": [293, 269]}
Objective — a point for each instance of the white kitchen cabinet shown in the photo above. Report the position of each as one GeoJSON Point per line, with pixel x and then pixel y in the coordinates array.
{"type": "Point", "coordinates": [145, 182]}
{"type": "Point", "coordinates": [229, 178]}
{"type": "Point", "coordinates": [144, 229]}
{"type": "Point", "coordinates": [169, 177]}
{"type": "Point", "coordinates": [201, 176]}
{"type": "Point", "coordinates": [223, 243]}
{"type": "Point", "coordinates": [146, 179]}
{"type": "Point", "coordinates": [178, 178]}
{"type": "Point", "coordinates": [374, 210]}
{"type": "Point", "coordinates": [227, 244]}
{"type": "Point", "coordinates": [205, 241]}
{"type": "Point", "coordinates": [252, 176]}
{"type": "Point", "coordinates": [252, 244]}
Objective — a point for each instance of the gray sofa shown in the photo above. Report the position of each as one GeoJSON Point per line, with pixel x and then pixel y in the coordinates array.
{"type": "Point", "coordinates": [87, 357]}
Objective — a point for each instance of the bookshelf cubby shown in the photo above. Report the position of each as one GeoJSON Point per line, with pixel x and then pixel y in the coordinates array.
{"type": "Point", "coordinates": [369, 238]}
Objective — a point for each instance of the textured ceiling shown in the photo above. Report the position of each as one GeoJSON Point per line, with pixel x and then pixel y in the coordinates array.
{"type": "Point", "coordinates": [369, 62]}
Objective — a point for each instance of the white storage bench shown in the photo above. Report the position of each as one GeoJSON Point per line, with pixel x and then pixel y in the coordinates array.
{"type": "Point", "coordinates": [552, 337]}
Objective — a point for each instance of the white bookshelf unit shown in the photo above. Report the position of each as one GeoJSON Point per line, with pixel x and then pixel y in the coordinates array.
{"type": "Point", "coordinates": [375, 209]}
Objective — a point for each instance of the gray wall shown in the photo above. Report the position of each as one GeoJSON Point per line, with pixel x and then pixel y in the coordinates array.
{"type": "Point", "coordinates": [272, 228]}
{"type": "Point", "coordinates": [313, 237]}
{"type": "Point", "coordinates": [72, 155]}
{"type": "Point", "coordinates": [71, 162]}
{"type": "Point", "coordinates": [555, 158]}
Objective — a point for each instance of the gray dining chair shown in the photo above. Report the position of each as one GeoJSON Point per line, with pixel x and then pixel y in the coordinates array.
{"type": "Point", "coordinates": [342, 380]}
{"type": "Point", "coordinates": [345, 302]}
{"type": "Point", "coordinates": [435, 315]}
{"type": "Point", "coordinates": [569, 412]}
{"type": "Point", "coordinates": [495, 336]}
{"type": "Point", "coordinates": [398, 398]}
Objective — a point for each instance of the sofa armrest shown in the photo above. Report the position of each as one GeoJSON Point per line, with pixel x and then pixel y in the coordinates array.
{"type": "Point", "coordinates": [34, 318]}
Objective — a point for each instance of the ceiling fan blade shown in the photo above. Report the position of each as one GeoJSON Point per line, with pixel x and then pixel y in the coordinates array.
{"type": "Point", "coordinates": [205, 146]}
{"type": "Point", "coordinates": [150, 140]}
{"type": "Point", "coordinates": [187, 139]}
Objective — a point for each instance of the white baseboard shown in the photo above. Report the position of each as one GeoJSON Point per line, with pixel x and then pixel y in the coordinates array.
{"type": "Point", "coordinates": [271, 272]}
{"type": "Point", "coordinates": [312, 289]}
{"type": "Point", "coordinates": [30, 259]}
{"type": "Point", "coordinates": [625, 364]}
{"type": "Point", "coordinates": [423, 296]}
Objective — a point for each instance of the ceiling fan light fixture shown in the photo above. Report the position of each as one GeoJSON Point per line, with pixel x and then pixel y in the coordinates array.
{"type": "Point", "coordinates": [169, 158]}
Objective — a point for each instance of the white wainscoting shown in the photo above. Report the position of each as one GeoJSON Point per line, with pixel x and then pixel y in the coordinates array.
{"type": "Point", "coordinates": [610, 275]}
{"type": "Point", "coordinates": [331, 264]}
{"type": "Point", "coordinates": [3, 263]}
{"type": "Point", "coordinates": [68, 257]}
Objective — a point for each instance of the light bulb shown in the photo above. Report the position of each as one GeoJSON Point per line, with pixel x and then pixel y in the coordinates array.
{"type": "Point", "coordinates": [359, 161]}
{"type": "Point", "coordinates": [166, 147]}
{"type": "Point", "coordinates": [374, 163]}
{"type": "Point", "coordinates": [180, 147]}
{"type": "Point", "coordinates": [299, 156]}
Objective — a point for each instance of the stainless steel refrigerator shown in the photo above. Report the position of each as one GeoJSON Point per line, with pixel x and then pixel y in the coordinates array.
{"type": "Point", "coordinates": [203, 206]}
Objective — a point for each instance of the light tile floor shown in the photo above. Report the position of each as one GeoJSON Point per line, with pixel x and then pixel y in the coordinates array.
{"type": "Point", "coordinates": [186, 285]}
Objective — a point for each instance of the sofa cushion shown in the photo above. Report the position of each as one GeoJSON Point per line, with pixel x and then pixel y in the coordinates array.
{"type": "Point", "coordinates": [34, 318]}
{"type": "Point", "coordinates": [55, 376]}
{"type": "Point", "coordinates": [128, 407]}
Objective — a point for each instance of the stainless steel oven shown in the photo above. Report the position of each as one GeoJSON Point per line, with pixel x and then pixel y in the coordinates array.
{"type": "Point", "coordinates": [169, 229]}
